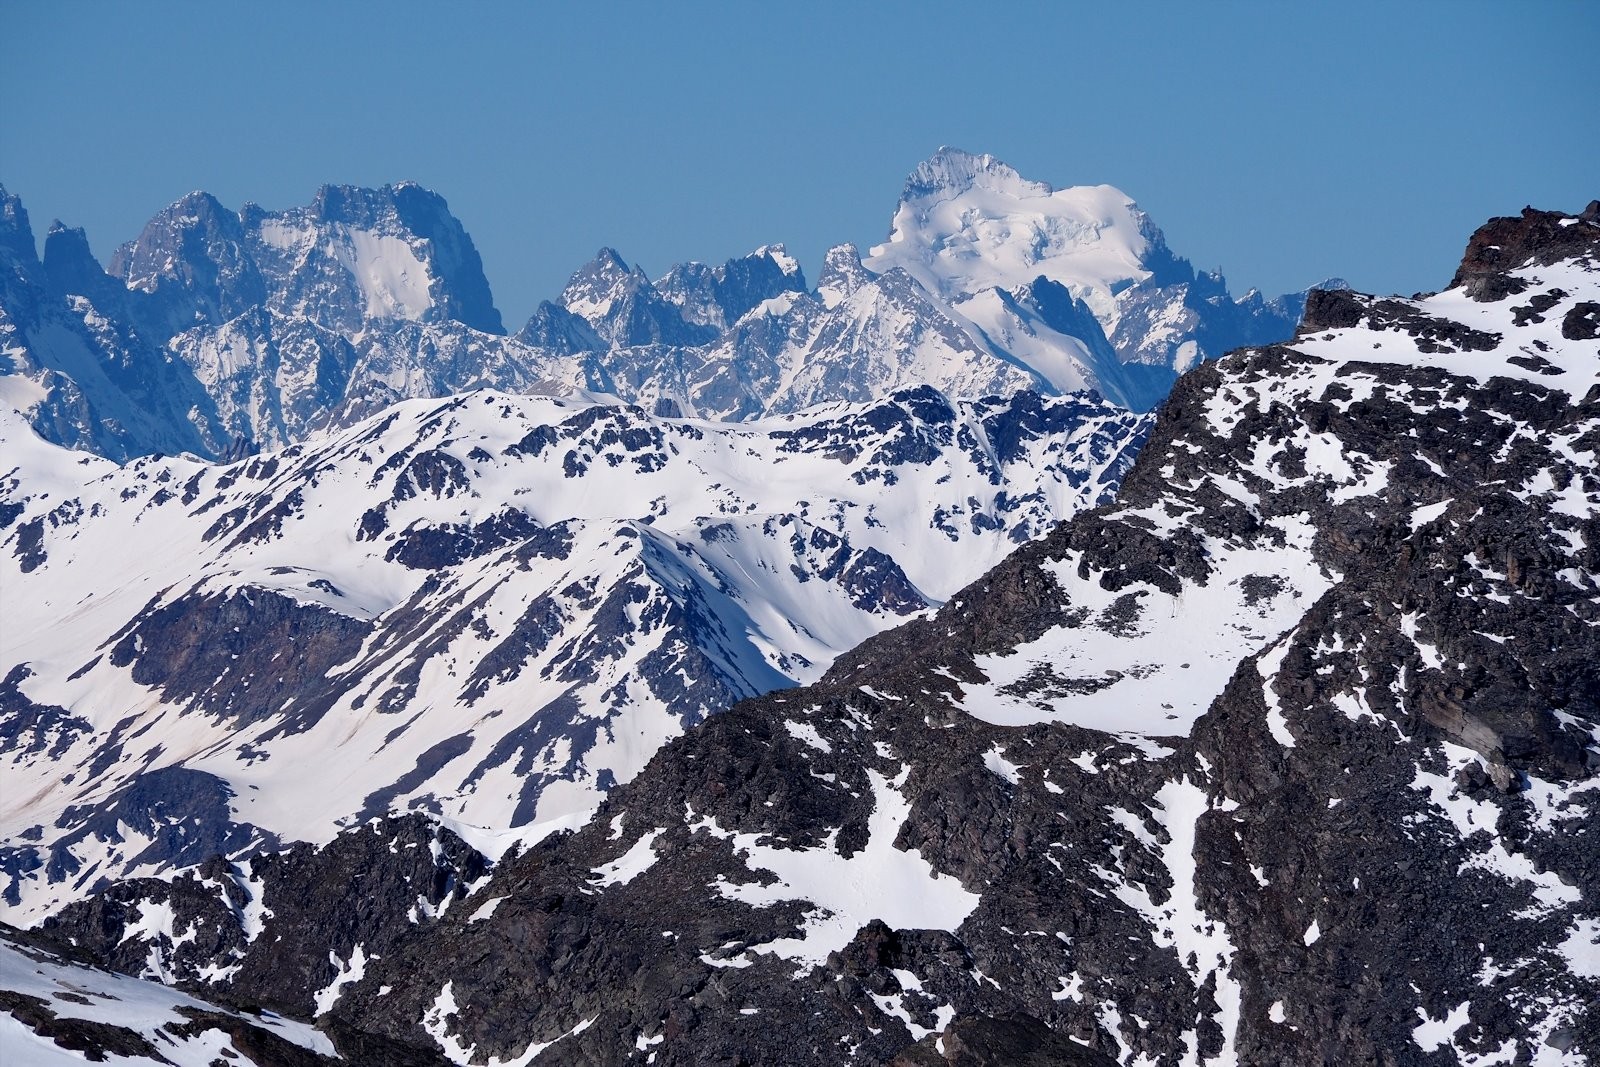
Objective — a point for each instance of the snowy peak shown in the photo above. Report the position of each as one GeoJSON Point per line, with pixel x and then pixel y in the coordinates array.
{"type": "Point", "coordinates": [596, 286]}
{"type": "Point", "coordinates": [404, 204]}
{"type": "Point", "coordinates": [842, 274]}
{"type": "Point", "coordinates": [721, 296]}
{"type": "Point", "coordinates": [216, 331]}
{"type": "Point", "coordinates": [357, 254]}
{"type": "Point", "coordinates": [625, 309]}
{"type": "Point", "coordinates": [779, 254]}
{"type": "Point", "coordinates": [952, 171]}
{"type": "Point", "coordinates": [194, 247]}
{"type": "Point", "coordinates": [410, 212]}
{"type": "Point", "coordinates": [968, 223]}
{"type": "Point", "coordinates": [353, 255]}
{"type": "Point", "coordinates": [974, 233]}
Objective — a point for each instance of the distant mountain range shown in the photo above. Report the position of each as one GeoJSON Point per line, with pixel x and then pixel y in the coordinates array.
{"type": "Point", "coordinates": [222, 333]}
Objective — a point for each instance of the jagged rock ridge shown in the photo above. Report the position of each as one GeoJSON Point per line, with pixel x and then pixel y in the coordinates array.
{"type": "Point", "coordinates": [1353, 823]}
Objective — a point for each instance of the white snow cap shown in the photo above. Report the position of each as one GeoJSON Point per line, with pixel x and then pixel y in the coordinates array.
{"type": "Point", "coordinates": [779, 255]}
{"type": "Point", "coordinates": [967, 223]}
{"type": "Point", "coordinates": [954, 171]}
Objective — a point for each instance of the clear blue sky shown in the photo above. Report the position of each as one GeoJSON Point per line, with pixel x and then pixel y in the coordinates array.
{"type": "Point", "coordinates": [1284, 142]}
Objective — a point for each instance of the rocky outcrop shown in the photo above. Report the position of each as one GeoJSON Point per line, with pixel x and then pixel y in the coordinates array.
{"type": "Point", "coordinates": [1499, 249]}
{"type": "Point", "coordinates": [266, 931]}
{"type": "Point", "coordinates": [1288, 756]}
{"type": "Point", "coordinates": [61, 1006]}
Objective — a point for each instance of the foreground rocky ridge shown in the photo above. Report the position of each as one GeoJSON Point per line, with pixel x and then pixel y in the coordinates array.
{"type": "Point", "coordinates": [223, 333]}
{"type": "Point", "coordinates": [1354, 823]}
{"type": "Point", "coordinates": [1374, 845]}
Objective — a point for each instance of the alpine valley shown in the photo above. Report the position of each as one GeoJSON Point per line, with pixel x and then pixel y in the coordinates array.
{"type": "Point", "coordinates": [955, 662]}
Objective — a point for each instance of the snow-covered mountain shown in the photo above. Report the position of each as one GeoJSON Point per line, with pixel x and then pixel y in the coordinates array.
{"type": "Point", "coordinates": [1288, 755]}
{"type": "Point", "coordinates": [1032, 271]}
{"type": "Point", "coordinates": [492, 608]}
{"type": "Point", "coordinates": [219, 332]}
{"type": "Point", "coordinates": [223, 332]}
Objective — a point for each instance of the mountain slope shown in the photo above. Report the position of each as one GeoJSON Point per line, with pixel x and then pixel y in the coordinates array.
{"type": "Point", "coordinates": [491, 608]}
{"type": "Point", "coordinates": [1351, 824]}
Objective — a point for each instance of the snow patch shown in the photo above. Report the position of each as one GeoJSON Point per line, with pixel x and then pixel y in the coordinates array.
{"type": "Point", "coordinates": [880, 881]}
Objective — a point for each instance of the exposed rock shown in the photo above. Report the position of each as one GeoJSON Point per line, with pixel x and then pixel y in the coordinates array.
{"type": "Point", "coordinates": [1354, 832]}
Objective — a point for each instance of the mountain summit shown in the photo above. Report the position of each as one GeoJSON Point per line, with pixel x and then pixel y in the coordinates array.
{"type": "Point", "coordinates": [966, 223]}
{"type": "Point", "coordinates": [972, 230]}
{"type": "Point", "coordinates": [950, 172]}
{"type": "Point", "coordinates": [352, 255]}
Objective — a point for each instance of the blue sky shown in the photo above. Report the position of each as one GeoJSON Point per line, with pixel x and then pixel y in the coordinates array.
{"type": "Point", "coordinates": [1283, 142]}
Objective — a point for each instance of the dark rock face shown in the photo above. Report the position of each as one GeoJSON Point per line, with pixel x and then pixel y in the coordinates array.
{"type": "Point", "coordinates": [1332, 309]}
{"type": "Point", "coordinates": [240, 655]}
{"type": "Point", "coordinates": [1370, 847]}
{"type": "Point", "coordinates": [1503, 245]}
{"type": "Point", "coordinates": [270, 931]}
{"type": "Point", "coordinates": [1009, 1041]}
{"type": "Point", "coordinates": [437, 547]}
{"type": "Point", "coordinates": [1582, 321]}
